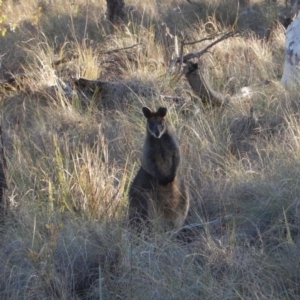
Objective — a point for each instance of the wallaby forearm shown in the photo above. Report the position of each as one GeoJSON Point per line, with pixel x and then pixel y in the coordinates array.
{"type": "Point", "coordinates": [156, 173]}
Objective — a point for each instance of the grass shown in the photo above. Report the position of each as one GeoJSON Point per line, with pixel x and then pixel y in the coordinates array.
{"type": "Point", "coordinates": [70, 163]}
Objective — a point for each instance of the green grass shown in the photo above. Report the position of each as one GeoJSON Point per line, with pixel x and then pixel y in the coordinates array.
{"type": "Point", "coordinates": [70, 163]}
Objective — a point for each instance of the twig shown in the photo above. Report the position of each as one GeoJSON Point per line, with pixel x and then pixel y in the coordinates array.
{"type": "Point", "coordinates": [202, 40]}
{"type": "Point", "coordinates": [120, 49]}
{"type": "Point", "coordinates": [177, 100]}
{"type": "Point", "coordinates": [190, 228]}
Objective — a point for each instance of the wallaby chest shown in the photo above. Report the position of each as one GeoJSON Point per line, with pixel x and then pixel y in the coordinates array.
{"type": "Point", "coordinates": [160, 152]}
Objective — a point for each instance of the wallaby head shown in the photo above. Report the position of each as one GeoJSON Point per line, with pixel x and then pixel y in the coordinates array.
{"type": "Point", "coordinates": [156, 124]}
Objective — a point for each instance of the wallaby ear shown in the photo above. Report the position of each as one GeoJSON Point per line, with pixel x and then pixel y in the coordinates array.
{"type": "Point", "coordinates": [147, 112]}
{"type": "Point", "coordinates": [161, 112]}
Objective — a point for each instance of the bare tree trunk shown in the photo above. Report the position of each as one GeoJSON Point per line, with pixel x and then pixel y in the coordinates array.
{"type": "Point", "coordinates": [3, 185]}
{"type": "Point", "coordinates": [291, 73]}
{"type": "Point", "coordinates": [115, 11]}
{"type": "Point", "coordinates": [170, 44]}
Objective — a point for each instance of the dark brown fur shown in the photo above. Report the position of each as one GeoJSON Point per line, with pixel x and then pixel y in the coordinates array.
{"type": "Point", "coordinates": [155, 194]}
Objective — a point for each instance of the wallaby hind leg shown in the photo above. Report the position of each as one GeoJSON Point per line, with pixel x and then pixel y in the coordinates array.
{"type": "Point", "coordinates": [173, 202]}
{"type": "Point", "coordinates": [139, 194]}
{"type": "Point", "coordinates": [138, 209]}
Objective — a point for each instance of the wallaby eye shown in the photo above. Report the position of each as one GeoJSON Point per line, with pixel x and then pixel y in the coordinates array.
{"type": "Point", "coordinates": [161, 125]}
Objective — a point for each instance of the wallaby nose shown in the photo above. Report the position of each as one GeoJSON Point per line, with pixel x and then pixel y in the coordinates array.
{"type": "Point", "coordinates": [157, 133]}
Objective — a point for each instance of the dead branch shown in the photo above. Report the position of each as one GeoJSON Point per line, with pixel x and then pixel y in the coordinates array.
{"type": "Point", "coordinates": [209, 38]}
{"type": "Point", "coordinates": [201, 225]}
{"type": "Point", "coordinates": [197, 54]}
{"type": "Point", "coordinates": [178, 100]}
{"type": "Point", "coordinates": [199, 85]}
{"type": "Point", "coordinates": [188, 232]}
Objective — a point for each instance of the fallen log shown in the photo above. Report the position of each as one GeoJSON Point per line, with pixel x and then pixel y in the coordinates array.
{"type": "Point", "coordinates": [109, 95]}
{"type": "Point", "coordinates": [114, 95]}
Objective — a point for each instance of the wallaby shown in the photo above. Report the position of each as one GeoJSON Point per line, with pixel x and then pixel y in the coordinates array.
{"type": "Point", "coordinates": [155, 193]}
